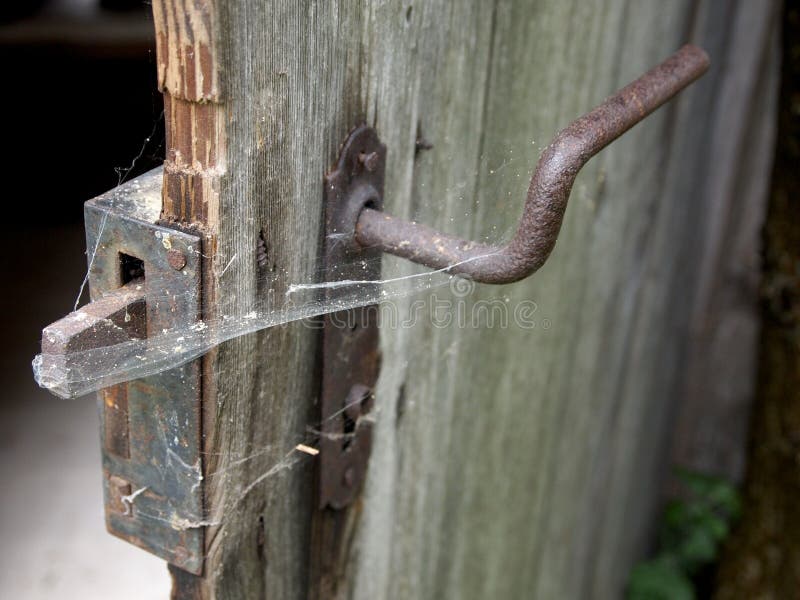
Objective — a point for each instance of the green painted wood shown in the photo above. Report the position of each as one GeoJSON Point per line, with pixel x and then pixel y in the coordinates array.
{"type": "Point", "coordinates": [508, 462]}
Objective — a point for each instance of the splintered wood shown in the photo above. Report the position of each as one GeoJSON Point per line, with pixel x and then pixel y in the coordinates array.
{"type": "Point", "coordinates": [306, 449]}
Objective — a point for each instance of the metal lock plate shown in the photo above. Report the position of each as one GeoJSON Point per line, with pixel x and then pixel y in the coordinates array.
{"type": "Point", "coordinates": [151, 427]}
{"type": "Point", "coordinates": [351, 358]}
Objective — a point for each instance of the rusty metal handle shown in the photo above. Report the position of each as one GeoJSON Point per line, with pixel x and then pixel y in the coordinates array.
{"type": "Point", "coordinates": [549, 188]}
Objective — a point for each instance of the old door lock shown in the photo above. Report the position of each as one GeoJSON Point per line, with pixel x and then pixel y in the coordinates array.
{"type": "Point", "coordinates": [144, 279]}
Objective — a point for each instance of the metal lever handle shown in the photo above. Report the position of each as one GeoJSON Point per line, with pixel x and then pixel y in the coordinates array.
{"type": "Point", "coordinates": [549, 188]}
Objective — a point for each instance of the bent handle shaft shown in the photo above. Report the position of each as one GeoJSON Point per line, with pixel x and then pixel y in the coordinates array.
{"type": "Point", "coordinates": [549, 188]}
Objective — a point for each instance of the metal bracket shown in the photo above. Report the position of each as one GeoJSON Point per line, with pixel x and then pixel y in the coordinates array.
{"type": "Point", "coordinates": [350, 354]}
{"type": "Point", "coordinates": [144, 278]}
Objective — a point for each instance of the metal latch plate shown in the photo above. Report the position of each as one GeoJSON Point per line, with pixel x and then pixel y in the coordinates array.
{"type": "Point", "coordinates": [350, 353]}
{"type": "Point", "coordinates": [151, 427]}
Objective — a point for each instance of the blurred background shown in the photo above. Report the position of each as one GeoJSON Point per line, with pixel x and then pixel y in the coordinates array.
{"type": "Point", "coordinates": [82, 114]}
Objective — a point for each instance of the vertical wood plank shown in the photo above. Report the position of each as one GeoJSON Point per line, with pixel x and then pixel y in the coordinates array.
{"type": "Point", "coordinates": [711, 433]}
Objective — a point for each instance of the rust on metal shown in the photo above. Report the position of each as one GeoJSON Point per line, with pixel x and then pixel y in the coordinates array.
{"type": "Point", "coordinates": [118, 491]}
{"type": "Point", "coordinates": [549, 188]}
{"type": "Point", "coordinates": [150, 427]}
{"type": "Point", "coordinates": [111, 319]}
{"type": "Point", "coordinates": [176, 259]}
{"type": "Point", "coordinates": [370, 161]}
{"type": "Point", "coordinates": [350, 357]}
{"type": "Point", "coordinates": [115, 416]}
{"type": "Point", "coordinates": [117, 317]}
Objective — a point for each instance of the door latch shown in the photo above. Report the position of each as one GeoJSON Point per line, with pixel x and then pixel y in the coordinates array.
{"type": "Point", "coordinates": [549, 188]}
{"type": "Point", "coordinates": [143, 279]}
{"type": "Point", "coordinates": [357, 231]}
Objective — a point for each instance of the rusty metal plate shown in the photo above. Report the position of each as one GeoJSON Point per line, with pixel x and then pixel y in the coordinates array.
{"type": "Point", "coordinates": [150, 427]}
{"type": "Point", "coordinates": [350, 352]}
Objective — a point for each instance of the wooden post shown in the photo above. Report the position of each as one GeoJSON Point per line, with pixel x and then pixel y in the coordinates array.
{"type": "Point", "coordinates": [237, 170]}
{"type": "Point", "coordinates": [516, 461]}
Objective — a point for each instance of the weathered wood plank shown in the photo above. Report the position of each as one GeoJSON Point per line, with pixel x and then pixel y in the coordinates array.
{"type": "Point", "coordinates": [186, 47]}
{"type": "Point", "coordinates": [508, 461]}
{"type": "Point", "coordinates": [711, 432]}
{"type": "Point", "coordinates": [292, 78]}
{"type": "Point", "coordinates": [496, 474]}
{"type": "Point", "coordinates": [527, 463]}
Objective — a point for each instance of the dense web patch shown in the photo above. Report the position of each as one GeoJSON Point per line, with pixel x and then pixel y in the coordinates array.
{"type": "Point", "coordinates": [91, 370]}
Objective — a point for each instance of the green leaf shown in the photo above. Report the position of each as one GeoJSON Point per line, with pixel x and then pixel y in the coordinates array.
{"type": "Point", "coordinates": [726, 498]}
{"type": "Point", "coordinates": [677, 515]}
{"type": "Point", "coordinates": [716, 526]}
{"type": "Point", "coordinates": [679, 520]}
{"type": "Point", "coordinates": [659, 580]}
{"type": "Point", "coordinates": [697, 550]}
{"type": "Point", "coordinates": [692, 531]}
{"type": "Point", "coordinates": [698, 483]}
{"type": "Point", "coordinates": [712, 491]}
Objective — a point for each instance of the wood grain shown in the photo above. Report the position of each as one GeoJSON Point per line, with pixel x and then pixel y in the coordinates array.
{"type": "Point", "coordinates": [186, 49]}
{"type": "Point", "coordinates": [288, 66]}
{"type": "Point", "coordinates": [194, 163]}
{"type": "Point", "coordinates": [712, 427]}
{"type": "Point", "coordinates": [508, 461]}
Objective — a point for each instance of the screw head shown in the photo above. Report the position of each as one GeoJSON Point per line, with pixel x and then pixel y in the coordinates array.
{"type": "Point", "coordinates": [176, 259]}
{"type": "Point", "coordinates": [181, 554]}
{"type": "Point", "coordinates": [370, 161]}
{"type": "Point", "coordinates": [349, 477]}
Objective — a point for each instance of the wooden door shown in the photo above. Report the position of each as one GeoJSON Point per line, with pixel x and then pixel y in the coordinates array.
{"type": "Point", "coordinates": [508, 462]}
